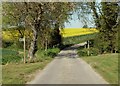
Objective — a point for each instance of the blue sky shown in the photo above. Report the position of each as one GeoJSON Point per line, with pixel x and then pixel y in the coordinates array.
{"type": "Point", "coordinates": [76, 23]}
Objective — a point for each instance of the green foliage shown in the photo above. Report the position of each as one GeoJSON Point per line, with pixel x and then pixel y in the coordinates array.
{"type": "Point", "coordinates": [94, 51]}
{"type": "Point", "coordinates": [106, 23]}
{"type": "Point", "coordinates": [19, 74]}
{"type": "Point", "coordinates": [17, 45]}
{"type": "Point", "coordinates": [78, 39]}
{"type": "Point", "coordinates": [84, 52]}
{"type": "Point", "coordinates": [13, 56]}
{"type": "Point", "coordinates": [38, 17]}
{"type": "Point", "coordinates": [51, 52]}
{"type": "Point", "coordinates": [9, 56]}
{"type": "Point", "coordinates": [118, 39]}
{"type": "Point", "coordinates": [107, 38]}
{"type": "Point", "coordinates": [6, 44]}
{"type": "Point", "coordinates": [42, 55]}
{"type": "Point", "coordinates": [85, 26]}
{"type": "Point", "coordinates": [56, 37]}
{"type": "Point", "coordinates": [62, 46]}
{"type": "Point", "coordinates": [49, 38]}
{"type": "Point", "coordinates": [100, 43]}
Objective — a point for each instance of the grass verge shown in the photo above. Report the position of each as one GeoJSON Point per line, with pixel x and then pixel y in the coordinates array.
{"type": "Point", "coordinates": [79, 39]}
{"type": "Point", "coordinates": [14, 72]}
{"type": "Point", "coordinates": [106, 65]}
{"type": "Point", "coordinates": [21, 73]}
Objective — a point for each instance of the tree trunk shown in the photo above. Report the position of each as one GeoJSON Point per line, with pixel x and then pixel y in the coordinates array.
{"type": "Point", "coordinates": [33, 46]}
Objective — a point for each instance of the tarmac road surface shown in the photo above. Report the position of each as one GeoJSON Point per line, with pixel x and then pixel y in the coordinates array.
{"type": "Point", "coordinates": [67, 68]}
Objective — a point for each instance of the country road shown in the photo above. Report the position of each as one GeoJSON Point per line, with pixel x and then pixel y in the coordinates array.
{"type": "Point", "coordinates": [66, 68]}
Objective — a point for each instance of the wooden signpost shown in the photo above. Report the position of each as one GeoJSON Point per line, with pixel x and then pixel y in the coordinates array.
{"type": "Point", "coordinates": [23, 39]}
{"type": "Point", "coordinates": [88, 42]}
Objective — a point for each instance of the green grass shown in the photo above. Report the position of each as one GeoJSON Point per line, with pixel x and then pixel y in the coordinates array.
{"type": "Point", "coordinates": [16, 56]}
{"type": "Point", "coordinates": [9, 56]}
{"type": "Point", "coordinates": [84, 51]}
{"type": "Point", "coordinates": [106, 65]}
{"type": "Point", "coordinates": [78, 39]}
{"type": "Point", "coordinates": [17, 73]}
{"type": "Point", "coordinates": [20, 73]}
{"type": "Point", "coordinates": [51, 52]}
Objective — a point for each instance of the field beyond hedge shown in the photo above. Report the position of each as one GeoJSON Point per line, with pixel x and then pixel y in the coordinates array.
{"type": "Point", "coordinates": [66, 32]}
{"type": "Point", "coordinates": [69, 32]}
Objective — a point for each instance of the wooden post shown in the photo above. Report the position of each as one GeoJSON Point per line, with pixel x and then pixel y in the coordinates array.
{"type": "Point", "coordinates": [85, 46]}
{"type": "Point", "coordinates": [24, 51]}
{"type": "Point", "coordinates": [46, 45]}
{"type": "Point", "coordinates": [88, 48]}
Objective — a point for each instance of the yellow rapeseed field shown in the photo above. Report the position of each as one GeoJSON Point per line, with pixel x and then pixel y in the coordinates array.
{"type": "Point", "coordinates": [13, 35]}
{"type": "Point", "coordinates": [68, 32]}
{"type": "Point", "coordinates": [8, 35]}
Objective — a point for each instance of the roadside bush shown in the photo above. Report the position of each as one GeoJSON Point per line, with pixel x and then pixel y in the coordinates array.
{"type": "Point", "coordinates": [94, 51]}
{"type": "Point", "coordinates": [13, 56]}
{"type": "Point", "coordinates": [42, 55]}
{"type": "Point", "coordinates": [16, 46]}
{"type": "Point", "coordinates": [51, 52]}
{"type": "Point", "coordinates": [84, 52]}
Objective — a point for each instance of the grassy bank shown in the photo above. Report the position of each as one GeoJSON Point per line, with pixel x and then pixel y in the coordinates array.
{"type": "Point", "coordinates": [15, 72]}
{"type": "Point", "coordinates": [78, 39]}
{"type": "Point", "coordinates": [16, 56]}
{"type": "Point", "coordinates": [106, 65]}
{"type": "Point", "coordinates": [21, 73]}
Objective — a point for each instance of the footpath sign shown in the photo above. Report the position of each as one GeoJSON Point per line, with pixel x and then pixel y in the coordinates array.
{"type": "Point", "coordinates": [23, 39]}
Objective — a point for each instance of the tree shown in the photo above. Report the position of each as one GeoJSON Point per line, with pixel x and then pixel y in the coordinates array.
{"type": "Point", "coordinates": [105, 17]}
{"type": "Point", "coordinates": [40, 17]}
{"type": "Point", "coordinates": [110, 14]}
{"type": "Point", "coordinates": [31, 15]}
{"type": "Point", "coordinates": [85, 26]}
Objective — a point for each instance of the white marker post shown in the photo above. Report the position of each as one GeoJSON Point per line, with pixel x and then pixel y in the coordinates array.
{"type": "Point", "coordinates": [23, 39]}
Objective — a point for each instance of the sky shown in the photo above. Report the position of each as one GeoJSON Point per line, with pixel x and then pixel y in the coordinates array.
{"type": "Point", "coordinates": [76, 23]}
